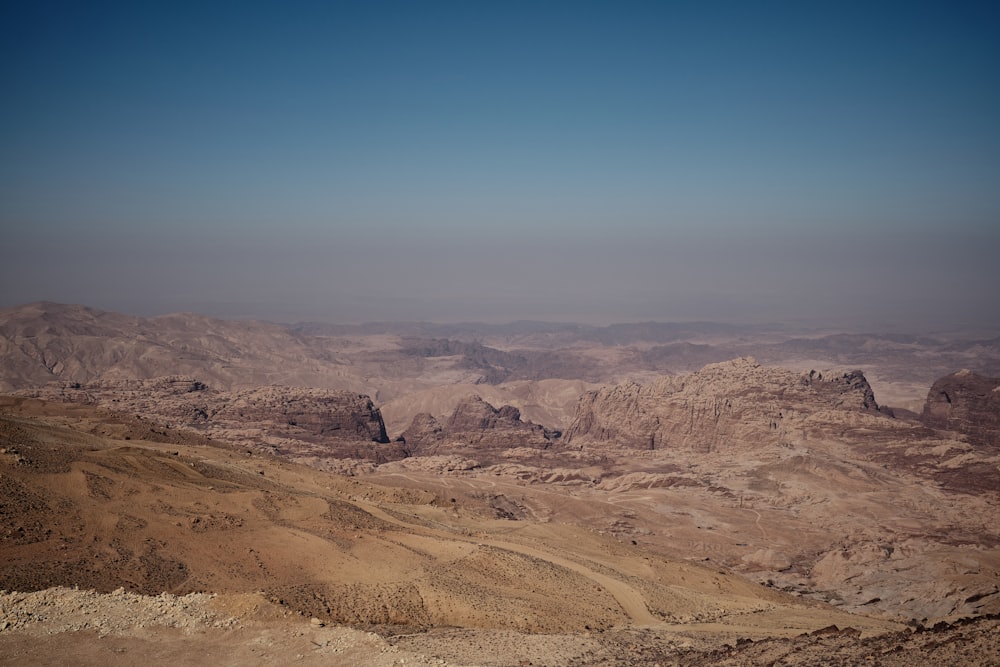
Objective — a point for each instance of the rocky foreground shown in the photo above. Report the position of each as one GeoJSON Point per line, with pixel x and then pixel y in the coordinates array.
{"type": "Point", "coordinates": [55, 625]}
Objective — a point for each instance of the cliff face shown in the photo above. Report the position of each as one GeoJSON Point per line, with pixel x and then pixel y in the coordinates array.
{"type": "Point", "coordinates": [423, 433]}
{"type": "Point", "coordinates": [723, 406]}
{"type": "Point", "coordinates": [477, 425]}
{"type": "Point", "coordinates": [290, 421]}
{"type": "Point", "coordinates": [320, 412]}
{"type": "Point", "coordinates": [476, 416]}
{"type": "Point", "coordinates": [967, 403]}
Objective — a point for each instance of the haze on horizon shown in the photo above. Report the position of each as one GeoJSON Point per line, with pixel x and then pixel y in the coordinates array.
{"type": "Point", "coordinates": [450, 161]}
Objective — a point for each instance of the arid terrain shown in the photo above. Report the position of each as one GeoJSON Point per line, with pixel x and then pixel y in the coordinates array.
{"type": "Point", "coordinates": [187, 489]}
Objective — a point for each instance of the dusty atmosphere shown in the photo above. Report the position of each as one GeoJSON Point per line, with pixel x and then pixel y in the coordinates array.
{"type": "Point", "coordinates": [500, 333]}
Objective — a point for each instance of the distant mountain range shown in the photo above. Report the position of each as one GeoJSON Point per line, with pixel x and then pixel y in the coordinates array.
{"type": "Point", "coordinates": [44, 342]}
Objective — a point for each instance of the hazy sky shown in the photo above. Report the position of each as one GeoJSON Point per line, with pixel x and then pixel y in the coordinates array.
{"type": "Point", "coordinates": [505, 160]}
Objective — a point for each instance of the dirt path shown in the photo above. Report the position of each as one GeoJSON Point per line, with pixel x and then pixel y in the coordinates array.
{"type": "Point", "coordinates": [756, 522]}
{"type": "Point", "coordinates": [628, 598]}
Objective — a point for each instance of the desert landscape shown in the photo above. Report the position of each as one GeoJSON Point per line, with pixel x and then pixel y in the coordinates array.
{"type": "Point", "coordinates": [184, 488]}
{"type": "Point", "coordinates": [500, 334]}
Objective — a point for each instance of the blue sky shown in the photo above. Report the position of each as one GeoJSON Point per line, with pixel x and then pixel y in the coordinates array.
{"type": "Point", "coordinates": [548, 160]}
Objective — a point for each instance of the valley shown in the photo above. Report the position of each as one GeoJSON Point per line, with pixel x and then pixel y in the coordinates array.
{"type": "Point", "coordinates": [553, 494]}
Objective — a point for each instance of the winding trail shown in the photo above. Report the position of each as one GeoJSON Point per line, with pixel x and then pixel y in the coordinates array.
{"type": "Point", "coordinates": [628, 598]}
{"type": "Point", "coordinates": [757, 523]}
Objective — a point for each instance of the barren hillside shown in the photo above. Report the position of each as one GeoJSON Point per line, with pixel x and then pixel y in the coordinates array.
{"type": "Point", "coordinates": [184, 516]}
{"type": "Point", "coordinates": [454, 486]}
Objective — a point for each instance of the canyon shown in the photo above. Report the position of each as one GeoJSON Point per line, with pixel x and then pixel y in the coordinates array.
{"type": "Point", "coordinates": [561, 494]}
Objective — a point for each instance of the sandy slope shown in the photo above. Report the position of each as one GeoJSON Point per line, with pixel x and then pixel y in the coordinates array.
{"type": "Point", "coordinates": [93, 511]}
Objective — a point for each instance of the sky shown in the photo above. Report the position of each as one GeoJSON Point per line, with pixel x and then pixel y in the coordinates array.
{"type": "Point", "coordinates": [494, 161]}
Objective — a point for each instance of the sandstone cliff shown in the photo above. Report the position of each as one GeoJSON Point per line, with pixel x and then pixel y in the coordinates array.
{"type": "Point", "coordinates": [321, 412]}
{"type": "Point", "coordinates": [967, 403]}
{"type": "Point", "coordinates": [477, 425]}
{"type": "Point", "coordinates": [723, 406]}
{"type": "Point", "coordinates": [290, 421]}
{"type": "Point", "coordinates": [423, 433]}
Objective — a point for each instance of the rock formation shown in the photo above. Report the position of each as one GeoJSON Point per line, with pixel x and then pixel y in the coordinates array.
{"type": "Point", "coordinates": [319, 412]}
{"type": "Point", "coordinates": [423, 433]}
{"type": "Point", "coordinates": [50, 342]}
{"type": "Point", "coordinates": [479, 421]}
{"type": "Point", "coordinates": [291, 421]}
{"type": "Point", "coordinates": [967, 403]}
{"type": "Point", "coordinates": [477, 425]}
{"type": "Point", "coordinates": [722, 406]}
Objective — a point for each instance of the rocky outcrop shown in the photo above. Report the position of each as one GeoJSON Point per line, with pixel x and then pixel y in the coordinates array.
{"type": "Point", "coordinates": [967, 403]}
{"type": "Point", "coordinates": [723, 406]}
{"type": "Point", "coordinates": [476, 416]}
{"type": "Point", "coordinates": [424, 432]}
{"type": "Point", "coordinates": [477, 422]}
{"type": "Point", "coordinates": [290, 421]}
{"type": "Point", "coordinates": [477, 425]}
{"type": "Point", "coordinates": [321, 412]}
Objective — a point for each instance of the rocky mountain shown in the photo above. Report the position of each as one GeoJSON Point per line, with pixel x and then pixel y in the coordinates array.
{"type": "Point", "coordinates": [46, 342]}
{"type": "Point", "coordinates": [293, 422]}
{"type": "Point", "coordinates": [423, 434]}
{"type": "Point", "coordinates": [551, 402]}
{"type": "Point", "coordinates": [480, 422]}
{"type": "Point", "coordinates": [967, 403]}
{"type": "Point", "coordinates": [319, 412]}
{"type": "Point", "coordinates": [50, 342]}
{"type": "Point", "coordinates": [726, 406]}
{"type": "Point", "coordinates": [475, 426]}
